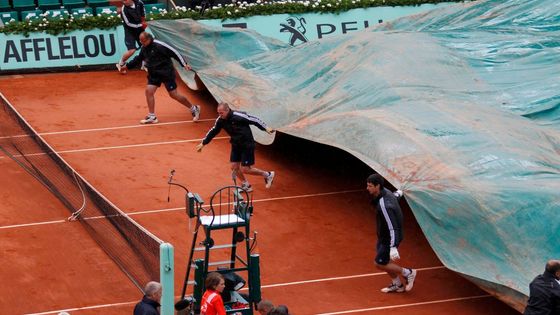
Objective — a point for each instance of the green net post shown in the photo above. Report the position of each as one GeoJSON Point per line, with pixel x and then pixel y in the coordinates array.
{"type": "Point", "coordinates": [166, 278]}
{"type": "Point", "coordinates": [255, 278]}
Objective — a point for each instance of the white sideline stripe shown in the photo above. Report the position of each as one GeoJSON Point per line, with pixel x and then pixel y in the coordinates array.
{"type": "Point", "coordinates": [343, 277]}
{"type": "Point", "coordinates": [123, 127]}
{"type": "Point", "coordinates": [294, 283]}
{"type": "Point", "coordinates": [31, 224]}
{"type": "Point", "coordinates": [120, 147]}
{"type": "Point", "coordinates": [134, 145]}
{"type": "Point", "coordinates": [257, 200]}
{"type": "Point", "coordinates": [182, 208]}
{"type": "Point", "coordinates": [49, 133]}
{"type": "Point", "coordinates": [409, 305]}
{"type": "Point", "coordinates": [83, 308]}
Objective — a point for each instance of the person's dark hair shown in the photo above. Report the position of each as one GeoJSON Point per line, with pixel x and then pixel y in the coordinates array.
{"type": "Point", "coordinates": [279, 310]}
{"type": "Point", "coordinates": [147, 35]}
{"type": "Point", "coordinates": [212, 280]}
{"type": "Point", "coordinates": [376, 179]}
{"type": "Point", "coordinates": [552, 266]}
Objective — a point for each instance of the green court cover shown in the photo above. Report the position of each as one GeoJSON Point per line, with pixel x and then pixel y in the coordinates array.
{"type": "Point", "coordinates": [459, 107]}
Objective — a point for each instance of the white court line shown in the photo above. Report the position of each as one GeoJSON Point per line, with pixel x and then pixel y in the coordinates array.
{"type": "Point", "coordinates": [183, 208]}
{"type": "Point", "coordinates": [123, 127]}
{"type": "Point", "coordinates": [408, 305]}
{"type": "Point", "coordinates": [109, 128]}
{"type": "Point", "coordinates": [120, 147]}
{"type": "Point", "coordinates": [293, 283]}
{"type": "Point", "coordinates": [373, 274]}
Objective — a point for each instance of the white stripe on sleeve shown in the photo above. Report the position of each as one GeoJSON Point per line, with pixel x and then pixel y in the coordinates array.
{"type": "Point", "coordinates": [179, 57]}
{"type": "Point", "coordinates": [389, 222]}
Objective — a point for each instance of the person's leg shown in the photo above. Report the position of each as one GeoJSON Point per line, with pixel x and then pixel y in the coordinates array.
{"type": "Point", "coordinates": [127, 54]}
{"type": "Point", "coordinates": [383, 262]}
{"type": "Point", "coordinates": [180, 98]}
{"type": "Point", "coordinates": [150, 97]}
{"type": "Point", "coordinates": [236, 169]}
{"type": "Point", "coordinates": [247, 162]}
{"type": "Point", "coordinates": [171, 86]}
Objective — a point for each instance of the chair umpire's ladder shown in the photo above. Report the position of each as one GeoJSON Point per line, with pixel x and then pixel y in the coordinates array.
{"type": "Point", "coordinates": [230, 210]}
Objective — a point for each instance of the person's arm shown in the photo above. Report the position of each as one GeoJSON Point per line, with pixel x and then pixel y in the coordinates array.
{"type": "Point", "coordinates": [253, 120]}
{"type": "Point", "coordinates": [142, 14]}
{"type": "Point", "coordinates": [211, 134]}
{"type": "Point", "coordinates": [126, 19]}
{"type": "Point", "coordinates": [171, 52]}
{"type": "Point", "coordinates": [390, 219]}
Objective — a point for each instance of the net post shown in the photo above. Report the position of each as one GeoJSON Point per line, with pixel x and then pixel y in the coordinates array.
{"type": "Point", "coordinates": [166, 278]}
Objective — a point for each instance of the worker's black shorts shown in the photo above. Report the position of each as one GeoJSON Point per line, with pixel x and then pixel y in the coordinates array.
{"type": "Point", "coordinates": [132, 37]}
{"type": "Point", "coordinates": [166, 77]}
{"type": "Point", "coordinates": [243, 154]}
{"type": "Point", "coordinates": [383, 253]}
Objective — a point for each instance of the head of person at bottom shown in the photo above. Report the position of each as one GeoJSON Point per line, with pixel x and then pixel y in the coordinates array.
{"type": "Point", "coordinates": [153, 291]}
{"type": "Point", "coordinates": [375, 184]}
{"type": "Point", "coordinates": [264, 307]}
{"type": "Point", "coordinates": [223, 110]}
{"type": "Point", "coordinates": [215, 281]}
{"type": "Point", "coordinates": [279, 310]}
{"type": "Point", "coordinates": [553, 267]}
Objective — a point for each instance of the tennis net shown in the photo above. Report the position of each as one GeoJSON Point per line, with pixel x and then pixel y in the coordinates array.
{"type": "Point", "coordinates": [138, 253]}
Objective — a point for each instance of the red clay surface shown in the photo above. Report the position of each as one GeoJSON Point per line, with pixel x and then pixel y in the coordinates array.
{"type": "Point", "coordinates": [314, 224]}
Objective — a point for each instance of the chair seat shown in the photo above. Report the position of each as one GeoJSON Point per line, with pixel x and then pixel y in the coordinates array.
{"type": "Point", "coordinates": [225, 220]}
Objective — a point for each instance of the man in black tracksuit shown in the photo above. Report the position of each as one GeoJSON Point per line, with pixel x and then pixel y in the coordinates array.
{"type": "Point", "coordinates": [242, 157]}
{"type": "Point", "coordinates": [133, 16]}
{"type": "Point", "coordinates": [544, 291]}
{"type": "Point", "coordinates": [156, 56]}
{"type": "Point", "coordinates": [389, 235]}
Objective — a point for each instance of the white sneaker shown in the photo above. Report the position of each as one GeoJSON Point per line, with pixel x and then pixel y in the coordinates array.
{"type": "Point", "coordinates": [195, 111]}
{"type": "Point", "coordinates": [410, 279]}
{"type": "Point", "coordinates": [393, 288]}
{"type": "Point", "coordinates": [247, 187]}
{"type": "Point", "coordinates": [150, 119]}
{"type": "Point", "coordinates": [268, 180]}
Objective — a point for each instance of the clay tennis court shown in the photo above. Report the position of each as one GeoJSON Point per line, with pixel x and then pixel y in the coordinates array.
{"type": "Point", "coordinates": [316, 229]}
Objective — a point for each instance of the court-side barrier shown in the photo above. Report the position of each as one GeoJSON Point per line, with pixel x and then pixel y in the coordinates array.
{"type": "Point", "coordinates": [41, 51]}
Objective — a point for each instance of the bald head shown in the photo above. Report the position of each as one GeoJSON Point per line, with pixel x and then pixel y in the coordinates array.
{"type": "Point", "coordinates": [145, 39]}
{"type": "Point", "coordinates": [553, 266]}
{"type": "Point", "coordinates": [223, 110]}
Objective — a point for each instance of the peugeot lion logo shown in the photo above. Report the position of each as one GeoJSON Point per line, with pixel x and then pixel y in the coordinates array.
{"type": "Point", "coordinates": [296, 26]}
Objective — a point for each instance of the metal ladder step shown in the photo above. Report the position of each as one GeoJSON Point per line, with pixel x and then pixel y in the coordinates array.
{"type": "Point", "coordinates": [216, 263]}
{"type": "Point", "coordinates": [216, 247]}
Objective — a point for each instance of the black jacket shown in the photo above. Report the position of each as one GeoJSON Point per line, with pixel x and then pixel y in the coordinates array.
{"type": "Point", "coordinates": [544, 296]}
{"type": "Point", "coordinates": [157, 57]}
{"type": "Point", "coordinates": [132, 17]}
{"type": "Point", "coordinates": [389, 218]}
{"type": "Point", "coordinates": [236, 125]}
{"type": "Point", "coordinates": [146, 307]}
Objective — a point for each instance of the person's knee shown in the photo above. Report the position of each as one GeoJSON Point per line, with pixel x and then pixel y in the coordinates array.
{"type": "Point", "coordinates": [234, 167]}
{"type": "Point", "coordinates": [245, 169]}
